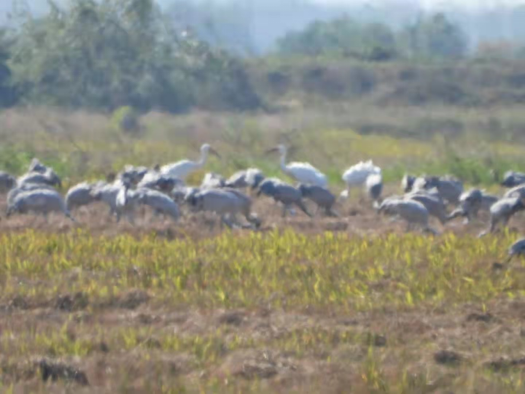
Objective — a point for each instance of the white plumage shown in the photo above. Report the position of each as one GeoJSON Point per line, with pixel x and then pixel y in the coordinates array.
{"type": "Point", "coordinates": [358, 174]}
{"type": "Point", "coordinates": [183, 168]}
{"type": "Point", "coordinates": [304, 173]}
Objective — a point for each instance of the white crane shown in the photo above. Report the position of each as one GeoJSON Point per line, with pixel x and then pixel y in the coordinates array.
{"type": "Point", "coordinates": [304, 173]}
{"type": "Point", "coordinates": [357, 175]}
{"type": "Point", "coordinates": [183, 168]}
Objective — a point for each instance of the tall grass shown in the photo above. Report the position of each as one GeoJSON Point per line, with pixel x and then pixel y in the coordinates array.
{"type": "Point", "coordinates": [83, 145]}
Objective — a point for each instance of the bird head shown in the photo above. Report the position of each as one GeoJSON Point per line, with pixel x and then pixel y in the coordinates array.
{"type": "Point", "coordinates": [208, 148]}
{"type": "Point", "coordinates": [53, 178]}
{"type": "Point", "coordinates": [281, 148]}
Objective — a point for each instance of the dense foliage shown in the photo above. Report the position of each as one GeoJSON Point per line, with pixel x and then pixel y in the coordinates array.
{"type": "Point", "coordinates": [429, 38]}
{"type": "Point", "coordinates": [108, 54]}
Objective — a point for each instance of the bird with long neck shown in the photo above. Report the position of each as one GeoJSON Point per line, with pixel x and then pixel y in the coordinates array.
{"type": "Point", "coordinates": [183, 168]}
{"type": "Point", "coordinates": [302, 172]}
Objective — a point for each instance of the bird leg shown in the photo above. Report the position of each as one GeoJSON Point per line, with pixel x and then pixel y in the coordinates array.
{"type": "Point", "coordinates": [226, 221]}
{"type": "Point", "coordinates": [301, 205]}
{"type": "Point", "coordinates": [330, 212]}
{"type": "Point", "coordinates": [285, 209]}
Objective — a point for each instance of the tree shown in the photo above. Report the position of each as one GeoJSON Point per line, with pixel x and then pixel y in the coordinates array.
{"type": "Point", "coordinates": [435, 37]}
{"type": "Point", "coordinates": [112, 53]}
{"type": "Point", "coordinates": [341, 37]}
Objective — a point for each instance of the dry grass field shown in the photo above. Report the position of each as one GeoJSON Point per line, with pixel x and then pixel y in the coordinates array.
{"type": "Point", "coordinates": [351, 304]}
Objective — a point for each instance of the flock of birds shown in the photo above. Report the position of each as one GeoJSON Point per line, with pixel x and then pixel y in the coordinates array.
{"type": "Point", "coordinates": [163, 189]}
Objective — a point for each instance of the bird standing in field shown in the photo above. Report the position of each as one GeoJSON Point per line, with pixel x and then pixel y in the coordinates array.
{"type": "Point", "coordinates": [516, 249]}
{"type": "Point", "coordinates": [357, 175]}
{"type": "Point", "coordinates": [183, 168]}
{"type": "Point", "coordinates": [303, 172]}
{"type": "Point", "coordinates": [283, 193]}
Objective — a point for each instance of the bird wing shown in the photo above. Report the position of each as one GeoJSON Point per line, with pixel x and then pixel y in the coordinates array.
{"type": "Point", "coordinates": [178, 169]}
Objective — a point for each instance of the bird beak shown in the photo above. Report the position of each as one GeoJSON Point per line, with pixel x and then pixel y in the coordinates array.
{"type": "Point", "coordinates": [271, 151]}
{"type": "Point", "coordinates": [214, 152]}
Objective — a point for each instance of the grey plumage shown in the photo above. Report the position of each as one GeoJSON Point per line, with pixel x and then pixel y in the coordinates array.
{"type": "Point", "coordinates": [108, 194]}
{"type": "Point", "coordinates": [82, 194]}
{"type": "Point", "coordinates": [433, 204]}
{"type": "Point", "coordinates": [125, 202]}
{"type": "Point", "coordinates": [516, 249]}
{"type": "Point", "coordinates": [164, 183]}
{"type": "Point", "coordinates": [374, 186]}
{"type": "Point", "coordinates": [37, 166]}
{"type": "Point", "coordinates": [226, 203]}
{"type": "Point", "coordinates": [7, 182]}
{"type": "Point", "coordinates": [502, 211]}
{"type": "Point", "coordinates": [471, 202]}
{"type": "Point", "coordinates": [41, 201]}
{"type": "Point", "coordinates": [321, 196]}
{"type": "Point", "coordinates": [513, 179]}
{"type": "Point", "coordinates": [283, 193]}
{"type": "Point", "coordinates": [449, 188]}
{"type": "Point", "coordinates": [26, 187]}
{"type": "Point", "coordinates": [413, 212]}
{"type": "Point", "coordinates": [250, 177]}
{"type": "Point", "coordinates": [517, 191]}
{"type": "Point", "coordinates": [133, 174]}
{"type": "Point", "coordinates": [407, 182]}
{"type": "Point", "coordinates": [158, 201]}
{"type": "Point", "coordinates": [49, 177]}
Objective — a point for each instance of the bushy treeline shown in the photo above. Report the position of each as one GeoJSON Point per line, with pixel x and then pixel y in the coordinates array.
{"type": "Point", "coordinates": [431, 38]}
{"type": "Point", "coordinates": [110, 53]}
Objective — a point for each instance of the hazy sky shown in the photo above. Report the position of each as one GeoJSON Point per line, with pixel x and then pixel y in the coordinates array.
{"type": "Point", "coordinates": [432, 3]}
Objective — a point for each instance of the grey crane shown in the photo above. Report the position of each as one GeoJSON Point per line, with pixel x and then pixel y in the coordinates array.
{"type": "Point", "coordinates": [321, 196]}
{"type": "Point", "coordinates": [516, 249]}
{"type": "Point", "coordinates": [502, 211]}
{"type": "Point", "coordinates": [37, 166]}
{"type": "Point", "coordinates": [107, 193]}
{"type": "Point", "coordinates": [513, 179]}
{"type": "Point", "coordinates": [125, 202]}
{"type": "Point", "coordinates": [374, 187]}
{"type": "Point", "coordinates": [26, 187]}
{"type": "Point", "coordinates": [160, 202]}
{"type": "Point", "coordinates": [49, 177]}
{"type": "Point", "coordinates": [133, 174]}
{"type": "Point", "coordinates": [250, 177]}
{"type": "Point", "coordinates": [449, 188]}
{"type": "Point", "coordinates": [434, 205]}
{"type": "Point", "coordinates": [157, 181]}
{"type": "Point", "coordinates": [226, 203]}
{"type": "Point", "coordinates": [411, 183]}
{"type": "Point", "coordinates": [407, 183]}
{"type": "Point", "coordinates": [471, 202]}
{"type": "Point", "coordinates": [41, 201]}
{"type": "Point", "coordinates": [212, 180]}
{"type": "Point", "coordinates": [517, 191]}
{"type": "Point", "coordinates": [283, 193]}
{"type": "Point", "coordinates": [413, 212]}
{"type": "Point", "coordinates": [82, 194]}
{"type": "Point", "coordinates": [183, 194]}
{"type": "Point", "coordinates": [7, 182]}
